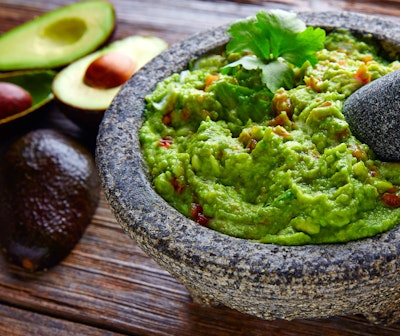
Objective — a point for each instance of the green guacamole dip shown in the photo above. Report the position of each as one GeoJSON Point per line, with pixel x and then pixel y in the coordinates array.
{"type": "Point", "coordinates": [278, 168]}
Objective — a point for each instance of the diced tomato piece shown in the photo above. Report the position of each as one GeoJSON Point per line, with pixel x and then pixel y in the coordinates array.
{"type": "Point", "coordinates": [167, 119]}
{"type": "Point", "coordinates": [185, 113]}
{"type": "Point", "coordinates": [363, 75]}
{"type": "Point", "coordinates": [281, 131]}
{"type": "Point", "coordinates": [202, 219]}
{"type": "Point", "coordinates": [313, 83]}
{"type": "Point", "coordinates": [210, 79]}
{"type": "Point", "coordinates": [326, 104]}
{"type": "Point", "coordinates": [281, 119]}
{"type": "Point", "coordinates": [282, 103]}
{"type": "Point", "coordinates": [367, 58]}
{"type": "Point", "coordinates": [252, 144]}
{"type": "Point", "coordinates": [359, 153]}
{"type": "Point", "coordinates": [373, 173]}
{"type": "Point", "coordinates": [177, 185]}
{"type": "Point", "coordinates": [198, 215]}
{"type": "Point", "coordinates": [165, 142]}
{"type": "Point", "coordinates": [391, 200]}
{"type": "Point", "coordinates": [342, 134]}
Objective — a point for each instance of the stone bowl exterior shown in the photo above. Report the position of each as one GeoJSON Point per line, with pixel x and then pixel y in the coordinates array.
{"type": "Point", "coordinates": [264, 280]}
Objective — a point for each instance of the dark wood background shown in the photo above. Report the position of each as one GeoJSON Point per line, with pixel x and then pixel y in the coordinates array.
{"type": "Point", "coordinates": [107, 285]}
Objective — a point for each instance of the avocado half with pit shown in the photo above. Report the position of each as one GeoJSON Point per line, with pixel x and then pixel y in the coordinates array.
{"type": "Point", "coordinates": [86, 88]}
{"type": "Point", "coordinates": [23, 92]}
{"type": "Point", "coordinates": [58, 37]}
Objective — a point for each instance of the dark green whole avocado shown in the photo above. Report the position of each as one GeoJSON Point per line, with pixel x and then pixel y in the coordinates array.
{"type": "Point", "coordinates": [49, 190]}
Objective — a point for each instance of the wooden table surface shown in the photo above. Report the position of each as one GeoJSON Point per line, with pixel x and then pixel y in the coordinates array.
{"type": "Point", "coordinates": [107, 285]}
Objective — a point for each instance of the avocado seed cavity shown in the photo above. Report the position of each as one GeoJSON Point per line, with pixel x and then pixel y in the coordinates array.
{"type": "Point", "coordinates": [64, 32]}
{"type": "Point", "coordinates": [109, 70]}
{"type": "Point", "coordinates": [13, 99]}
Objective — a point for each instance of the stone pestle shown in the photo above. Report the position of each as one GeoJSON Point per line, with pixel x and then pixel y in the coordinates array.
{"type": "Point", "coordinates": [373, 114]}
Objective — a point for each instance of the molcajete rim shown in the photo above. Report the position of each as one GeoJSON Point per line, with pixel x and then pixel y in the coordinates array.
{"type": "Point", "coordinates": [204, 260]}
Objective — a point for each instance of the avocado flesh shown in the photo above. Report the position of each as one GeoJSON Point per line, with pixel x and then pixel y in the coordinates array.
{"type": "Point", "coordinates": [49, 190]}
{"type": "Point", "coordinates": [58, 37]}
{"type": "Point", "coordinates": [70, 89]}
{"type": "Point", "coordinates": [37, 83]}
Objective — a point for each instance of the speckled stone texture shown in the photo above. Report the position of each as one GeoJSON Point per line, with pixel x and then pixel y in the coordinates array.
{"type": "Point", "coordinates": [373, 114]}
{"type": "Point", "coordinates": [265, 280]}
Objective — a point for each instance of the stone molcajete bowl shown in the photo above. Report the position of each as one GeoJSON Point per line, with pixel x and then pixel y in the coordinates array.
{"type": "Point", "coordinates": [265, 280]}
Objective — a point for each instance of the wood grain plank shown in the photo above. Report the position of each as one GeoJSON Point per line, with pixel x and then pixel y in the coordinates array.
{"type": "Point", "coordinates": [30, 323]}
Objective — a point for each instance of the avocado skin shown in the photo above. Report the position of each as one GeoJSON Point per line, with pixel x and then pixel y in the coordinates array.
{"type": "Point", "coordinates": [49, 191]}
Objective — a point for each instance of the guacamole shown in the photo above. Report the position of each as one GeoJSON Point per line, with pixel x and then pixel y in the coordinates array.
{"type": "Point", "coordinates": [278, 167]}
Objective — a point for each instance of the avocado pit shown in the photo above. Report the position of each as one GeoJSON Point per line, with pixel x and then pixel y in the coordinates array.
{"type": "Point", "coordinates": [109, 70]}
{"type": "Point", "coordinates": [13, 99]}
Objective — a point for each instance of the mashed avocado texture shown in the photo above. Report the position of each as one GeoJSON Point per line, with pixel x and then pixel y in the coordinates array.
{"type": "Point", "coordinates": [276, 167]}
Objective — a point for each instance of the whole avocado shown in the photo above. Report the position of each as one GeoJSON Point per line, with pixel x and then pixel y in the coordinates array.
{"type": "Point", "coordinates": [49, 190]}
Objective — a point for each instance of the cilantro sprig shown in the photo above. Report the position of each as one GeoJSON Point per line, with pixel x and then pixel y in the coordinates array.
{"type": "Point", "coordinates": [274, 41]}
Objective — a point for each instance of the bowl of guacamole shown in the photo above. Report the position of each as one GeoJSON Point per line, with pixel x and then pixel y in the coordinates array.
{"type": "Point", "coordinates": [228, 160]}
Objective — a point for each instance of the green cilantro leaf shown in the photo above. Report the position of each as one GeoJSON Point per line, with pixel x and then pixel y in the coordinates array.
{"type": "Point", "coordinates": [304, 47]}
{"type": "Point", "coordinates": [276, 40]}
{"type": "Point", "coordinates": [250, 62]}
{"type": "Point", "coordinates": [247, 38]}
{"type": "Point", "coordinates": [277, 74]}
{"type": "Point", "coordinates": [274, 74]}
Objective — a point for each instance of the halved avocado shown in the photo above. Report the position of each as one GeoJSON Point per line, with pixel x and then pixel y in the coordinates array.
{"type": "Point", "coordinates": [58, 37]}
{"type": "Point", "coordinates": [37, 83]}
{"type": "Point", "coordinates": [85, 104]}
